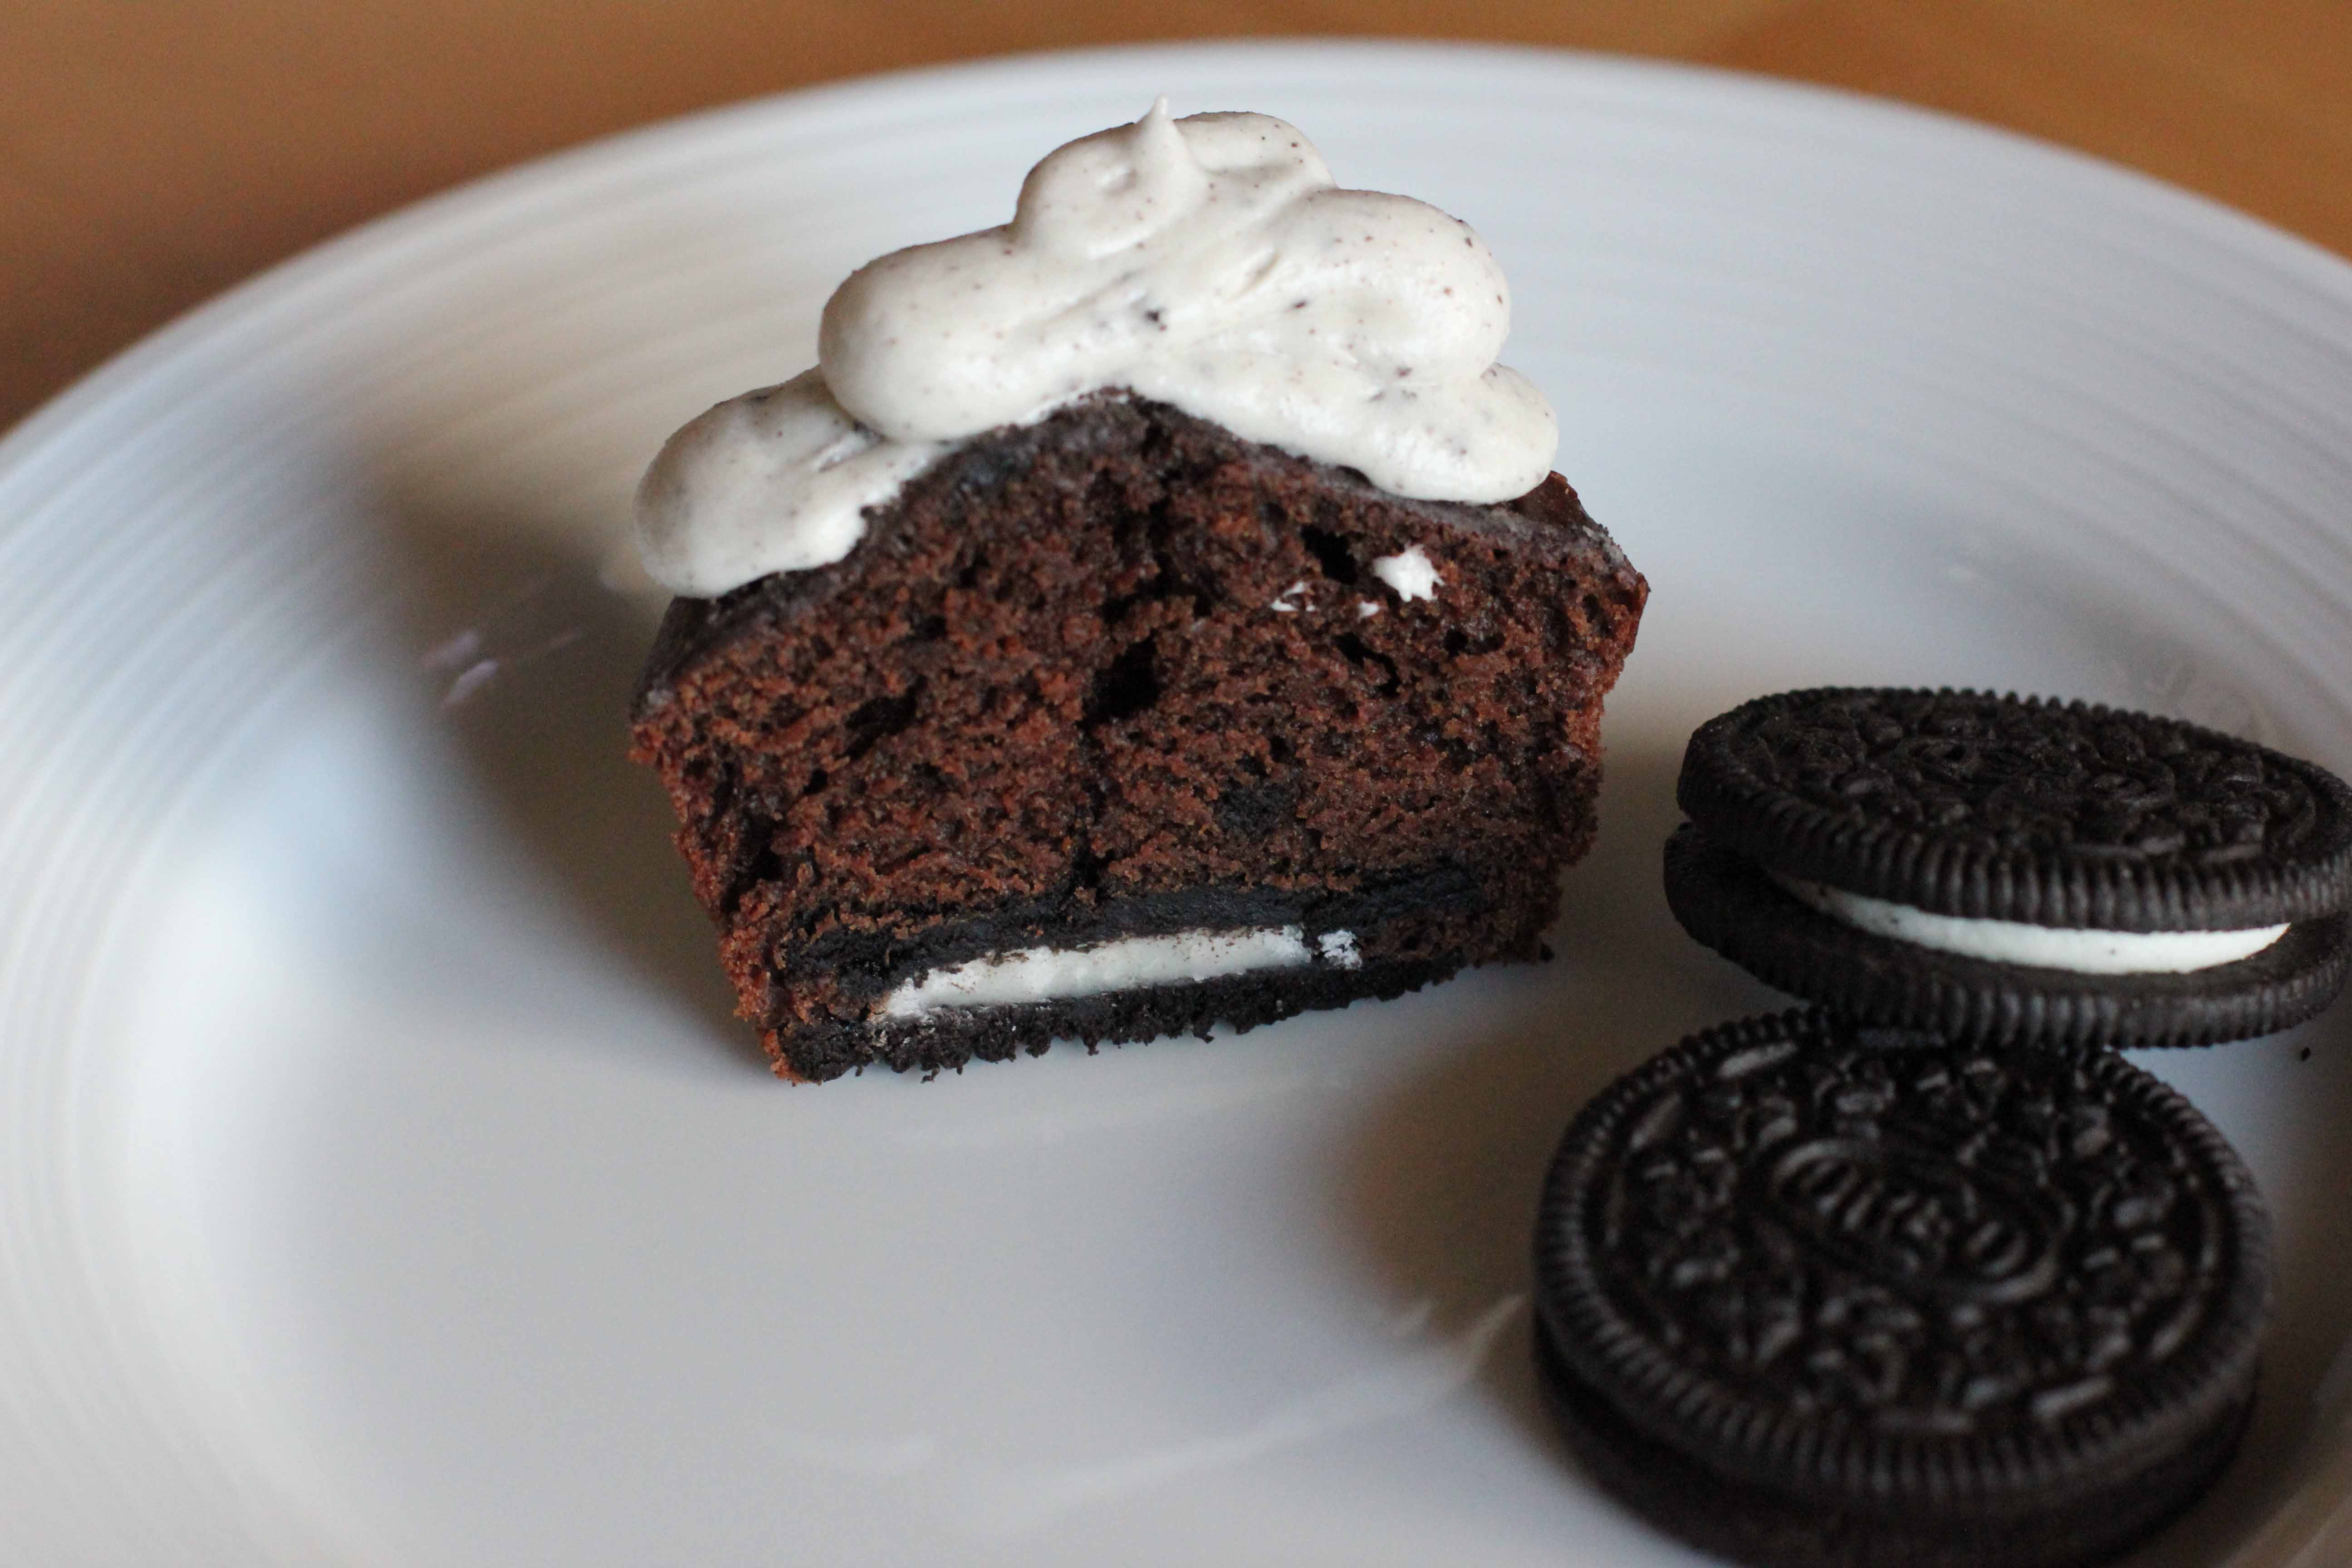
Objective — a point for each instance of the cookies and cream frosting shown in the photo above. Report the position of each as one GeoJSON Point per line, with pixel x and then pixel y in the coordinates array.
{"type": "Point", "coordinates": [1210, 262]}
{"type": "Point", "coordinates": [2079, 950]}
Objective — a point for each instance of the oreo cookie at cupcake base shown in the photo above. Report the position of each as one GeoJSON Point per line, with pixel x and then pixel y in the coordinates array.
{"type": "Point", "coordinates": [1810, 1293]}
{"type": "Point", "coordinates": [2015, 871]}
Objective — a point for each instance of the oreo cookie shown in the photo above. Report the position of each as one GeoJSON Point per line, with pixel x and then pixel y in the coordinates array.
{"type": "Point", "coordinates": [2012, 870]}
{"type": "Point", "coordinates": [1814, 1294]}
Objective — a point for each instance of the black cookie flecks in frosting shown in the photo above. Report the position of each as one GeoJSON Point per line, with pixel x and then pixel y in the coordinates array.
{"type": "Point", "coordinates": [1812, 1293]}
{"type": "Point", "coordinates": [1981, 808]}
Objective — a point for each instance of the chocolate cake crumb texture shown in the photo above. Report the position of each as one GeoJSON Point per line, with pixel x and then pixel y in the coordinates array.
{"type": "Point", "coordinates": [1111, 674]}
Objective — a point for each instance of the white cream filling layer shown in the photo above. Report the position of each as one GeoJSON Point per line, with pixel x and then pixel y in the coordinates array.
{"type": "Point", "coordinates": [1053, 975]}
{"type": "Point", "coordinates": [2079, 950]}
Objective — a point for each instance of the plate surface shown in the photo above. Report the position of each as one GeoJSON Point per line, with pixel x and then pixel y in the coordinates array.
{"type": "Point", "coordinates": [381, 1177]}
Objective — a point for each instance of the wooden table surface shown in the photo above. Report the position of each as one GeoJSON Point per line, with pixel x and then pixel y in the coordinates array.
{"type": "Point", "coordinates": [153, 152]}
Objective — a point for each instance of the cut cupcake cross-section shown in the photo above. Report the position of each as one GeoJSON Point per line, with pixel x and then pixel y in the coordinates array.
{"type": "Point", "coordinates": [1202, 639]}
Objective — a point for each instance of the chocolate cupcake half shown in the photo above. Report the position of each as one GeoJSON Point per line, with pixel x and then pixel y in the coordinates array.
{"type": "Point", "coordinates": [1155, 612]}
{"type": "Point", "coordinates": [2014, 870]}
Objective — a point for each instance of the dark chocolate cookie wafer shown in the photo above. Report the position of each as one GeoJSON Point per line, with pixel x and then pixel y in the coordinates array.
{"type": "Point", "coordinates": [2013, 870]}
{"type": "Point", "coordinates": [1812, 1293]}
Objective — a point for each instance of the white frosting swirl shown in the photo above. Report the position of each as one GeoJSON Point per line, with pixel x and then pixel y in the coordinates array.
{"type": "Point", "coordinates": [1208, 262]}
{"type": "Point", "coordinates": [776, 480]}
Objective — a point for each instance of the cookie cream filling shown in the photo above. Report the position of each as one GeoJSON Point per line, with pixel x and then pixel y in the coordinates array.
{"type": "Point", "coordinates": [1411, 573]}
{"type": "Point", "coordinates": [1210, 262]}
{"type": "Point", "coordinates": [1055, 975]}
{"type": "Point", "coordinates": [2082, 951]}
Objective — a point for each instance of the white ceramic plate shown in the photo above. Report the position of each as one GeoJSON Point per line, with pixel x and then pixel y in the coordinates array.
{"type": "Point", "coordinates": [381, 1178]}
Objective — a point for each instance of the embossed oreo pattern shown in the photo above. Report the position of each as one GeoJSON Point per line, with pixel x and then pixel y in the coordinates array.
{"type": "Point", "coordinates": [2010, 808]}
{"type": "Point", "coordinates": [1879, 1266]}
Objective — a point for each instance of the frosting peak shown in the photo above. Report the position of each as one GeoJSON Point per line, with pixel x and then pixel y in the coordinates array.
{"type": "Point", "coordinates": [1209, 262]}
{"type": "Point", "coordinates": [1101, 193]}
